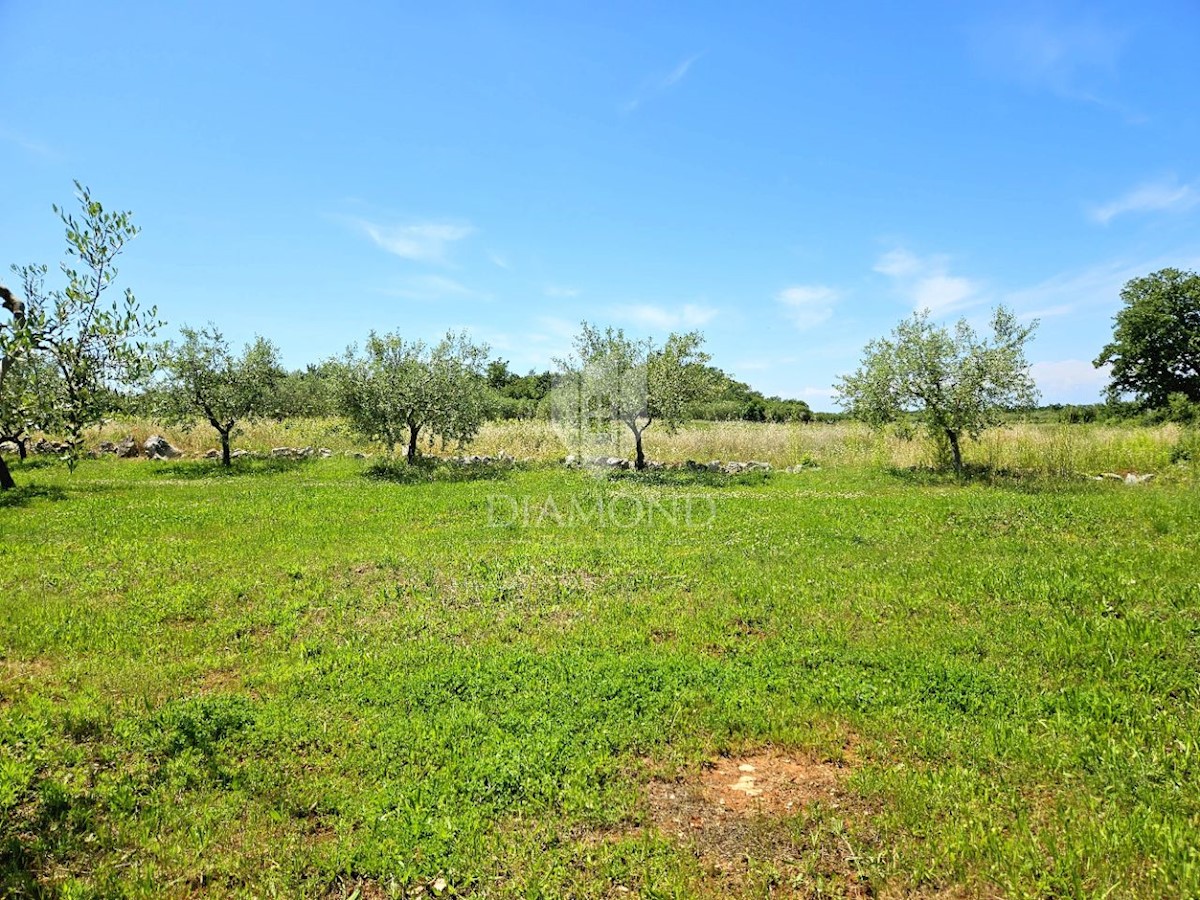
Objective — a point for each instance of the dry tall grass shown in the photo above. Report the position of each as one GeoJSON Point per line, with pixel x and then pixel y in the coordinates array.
{"type": "Point", "coordinates": [1041, 449]}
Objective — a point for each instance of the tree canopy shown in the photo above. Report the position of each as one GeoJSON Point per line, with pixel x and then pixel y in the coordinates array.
{"type": "Point", "coordinates": [205, 379]}
{"type": "Point", "coordinates": [395, 389]}
{"type": "Point", "coordinates": [613, 378]}
{"type": "Point", "coordinates": [954, 381]}
{"type": "Point", "coordinates": [1155, 350]}
{"type": "Point", "coordinates": [90, 345]}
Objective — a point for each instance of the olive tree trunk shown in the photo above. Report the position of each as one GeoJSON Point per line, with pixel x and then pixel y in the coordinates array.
{"type": "Point", "coordinates": [955, 450]}
{"type": "Point", "coordinates": [410, 455]}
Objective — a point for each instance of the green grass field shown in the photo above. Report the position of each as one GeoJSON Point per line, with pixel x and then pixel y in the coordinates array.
{"type": "Point", "coordinates": [296, 680]}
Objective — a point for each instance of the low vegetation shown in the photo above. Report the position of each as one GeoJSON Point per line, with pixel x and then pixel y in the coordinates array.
{"type": "Point", "coordinates": [520, 686]}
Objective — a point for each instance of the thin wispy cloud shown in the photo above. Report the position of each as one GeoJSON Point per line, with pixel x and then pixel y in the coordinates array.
{"type": "Point", "coordinates": [807, 305]}
{"type": "Point", "coordinates": [426, 242]}
{"type": "Point", "coordinates": [927, 281]}
{"type": "Point", "coordinates": [662, 318]}
{"type": "Point", "coordinates": [660, 85]}
{"type": "Point", "coordinates": [499, 260]}
{"type": "Point", "coordinates": [1072, 58]}
{"type": "Point", "coordinates": [431, 288]}
{"type": "Point", "coordinates": [32, 146]}
{"type": "Point", "coordinates": [1166, 195]}
{"type": "Point", "coordinates": [560, 292]}
{"type": "Point", "coordinates": [1094, 287]}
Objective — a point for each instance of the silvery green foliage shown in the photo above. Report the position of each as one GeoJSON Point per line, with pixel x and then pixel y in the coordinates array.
{"type": "Point", "coordinates": [954, 381]}
{"type": "Point", "coordinates": [25, 389]}
{"type": "Point", "coordinates": [395, 389]}
{"type": "Point", "coordinates": [92, 345]}
{"type": "Point", "coordinates": [205, 379]}
{"type": "Point", "coordinates": [612, 379]}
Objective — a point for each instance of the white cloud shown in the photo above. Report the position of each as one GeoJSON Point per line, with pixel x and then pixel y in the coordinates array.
{"type": "Point", "coordinates": [1070, 380]}
{"type": "Point", "coordinates": [927, 282]}
{"type": "Point", "coordinates": [1158, 196]}
{"type": "Point", "coordinates": [499, 260]}
{"type": "Point", "coordinates": [898, 263]}
{"type": "Point", "coordinates": [656, 86]}
{"type": "Point", "coordinates": [560, 292]}
{"type": "Point", "coordinates": [807, 305]}
{"type": "Point", "coordinates": [660, 317]}
{"type": "Point", "coordinates": [425, 242]}
{"type": "Point", "coordinates": [432, 287]}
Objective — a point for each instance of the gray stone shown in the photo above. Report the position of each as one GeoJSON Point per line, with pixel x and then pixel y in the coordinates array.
{"type": "Point", "coordinates": [157, 447]}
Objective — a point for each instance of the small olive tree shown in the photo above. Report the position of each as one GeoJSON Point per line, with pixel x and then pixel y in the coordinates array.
{"type": "Point", "coordinates": [91, 345]}
{"type": "Point", "coordinates": [27, 390]}
{"type": "Point", "coordinates": [612, 378]}
{"type": "Point", "coordinates": [204, 378]}
{"type": "Point", "coordinates": [954, 381]}
{"type": "Point", "coordinates": [395, 389]}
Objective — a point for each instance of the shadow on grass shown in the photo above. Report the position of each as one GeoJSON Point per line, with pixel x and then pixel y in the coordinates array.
{"type": "Point", "coordinates": [22, 495]}
{"type": "Point", "coordinates": [685, 477]}
{"type": "Point", "coordinates": [922, 476]}
{"type": "Point", "coordinates": [427, 471]}
{"type": "Point", "coordinates": [34, 462]}
{"type": "Point", "coordinates": [246, 466]}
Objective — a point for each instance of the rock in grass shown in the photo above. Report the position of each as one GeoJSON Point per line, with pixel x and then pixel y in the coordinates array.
{"type": "Point", "coordinates": [157, 447]}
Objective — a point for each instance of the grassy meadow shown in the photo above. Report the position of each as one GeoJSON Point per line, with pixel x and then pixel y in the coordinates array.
{"type": "Point", "coordinates": [1041, 449]}
{"type": "Point", "coordinates": [297, 680]}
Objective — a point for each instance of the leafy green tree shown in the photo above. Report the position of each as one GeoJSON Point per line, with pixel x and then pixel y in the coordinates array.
{"type": "Point", "coordinates": [205, 379]}
{"type": "Point", "coordinates": [395, 389]}
{"type": "Point", "coordinates": [1155, 350]}
{"type": "Point", "coordinates": [25, 399]}
{"type": "Point", "coordinates": [304, 393]}
{"type": "Point", "coordinates": [612, 378]}
{"type": "Point", "coordinates": [953, 381]}
{"type": "Point", "coordinates": [91, 344]}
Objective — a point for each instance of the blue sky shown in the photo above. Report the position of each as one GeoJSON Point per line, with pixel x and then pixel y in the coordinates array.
{"type": "Point", "coordinates": [792, 179]}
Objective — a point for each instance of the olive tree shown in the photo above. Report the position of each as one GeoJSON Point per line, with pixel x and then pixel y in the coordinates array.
{"type": "Point", "coordinates": [1155, 350]}
{"type": "Point", "coordinates": [396, 389]}
{"type": "Point", "coordinates": [92, 345]}
{"type": "Point", "coordinates": [204, 378]}
{"type": "Point", "coordinates": [26, 404]}
{"type": "Point", "coordinates": [613, 378]}
{"type": "Point", "coordinates": [954, 381]}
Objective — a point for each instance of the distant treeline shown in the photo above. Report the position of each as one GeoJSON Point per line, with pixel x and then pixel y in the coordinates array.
{"type": "Point", "coordinates": [308, 393]}
{"type": "Point", "coordinates": [527, 397]}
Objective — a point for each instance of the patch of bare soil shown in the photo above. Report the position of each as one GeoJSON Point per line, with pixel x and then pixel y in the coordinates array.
{"type": "Point", "coordinates": [766, 815]}
{"type": "Point", "coordinates": [20, 675]}
{"type": "Point", "coordinates": [220, 681]}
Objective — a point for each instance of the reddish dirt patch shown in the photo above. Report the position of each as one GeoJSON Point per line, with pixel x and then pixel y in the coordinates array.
{"type": "Point", "coordinates": [766, 811]}
{"type": "Point", "coordinates": [766, 784]}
